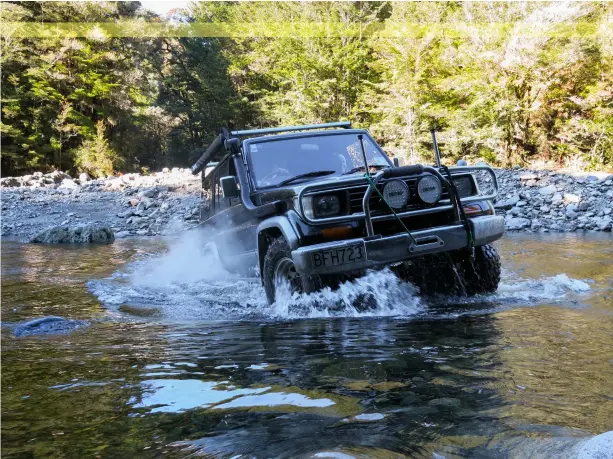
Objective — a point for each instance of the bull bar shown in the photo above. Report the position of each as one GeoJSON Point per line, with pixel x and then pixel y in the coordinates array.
{"type": "Point", "coordinates": [403, 246]}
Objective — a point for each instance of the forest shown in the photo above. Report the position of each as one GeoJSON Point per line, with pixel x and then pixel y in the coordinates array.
{"type": "Point", "coordinates": [508, 83]}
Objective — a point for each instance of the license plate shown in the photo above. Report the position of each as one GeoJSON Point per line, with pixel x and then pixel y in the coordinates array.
{"type": "Point", "coordinates": [341, 256]}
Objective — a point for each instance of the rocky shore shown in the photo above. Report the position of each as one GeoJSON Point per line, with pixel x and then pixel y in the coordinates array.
{"type": "Point", "coordinates": [167, 202]}
{"type": "Point", "coordinates": [543, 201]}
{"type": "Point", "coordinates": [130, 204]}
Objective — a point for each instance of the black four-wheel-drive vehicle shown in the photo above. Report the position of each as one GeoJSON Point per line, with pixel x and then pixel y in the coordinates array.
{"type": "Point", "coordinates": [315, 205]}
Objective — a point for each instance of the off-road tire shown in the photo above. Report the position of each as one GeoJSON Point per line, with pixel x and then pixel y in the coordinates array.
{"type": "Point", "coordinates": [482, 274]}
{"type": "Point", "coordinates": [455, 273]}
{"type": "Point", "coordinates": [277, 251]}
{"type": "Point", "coordinates": [432, 275]}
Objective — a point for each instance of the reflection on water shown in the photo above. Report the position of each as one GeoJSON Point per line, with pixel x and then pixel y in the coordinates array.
{"type": "Point", "coordinates": [527, 372]}
{"type": "Point", "coordinates": [174, 395]}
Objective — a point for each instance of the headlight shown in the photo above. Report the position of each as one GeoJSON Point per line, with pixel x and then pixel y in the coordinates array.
{"type": "Point", "coordinates": [322, 206]}
{"type": "Point", "coordinates": [464, 185]}
{"type": "Point", "coordinates": [396, 193]}
{"type": "Point", "coordinates": [326, 206]}
{"type": "Point", "coordinates": [429, 189]}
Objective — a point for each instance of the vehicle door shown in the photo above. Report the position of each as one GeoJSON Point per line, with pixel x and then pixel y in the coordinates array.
{"type": "Point", "coordinates": [235, 229]}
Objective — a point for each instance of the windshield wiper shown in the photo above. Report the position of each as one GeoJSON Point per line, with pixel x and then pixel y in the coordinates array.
{"type": "Point", "coordinates": [361, 168]}
{"type": "Point", "coordinates": [308, 174]}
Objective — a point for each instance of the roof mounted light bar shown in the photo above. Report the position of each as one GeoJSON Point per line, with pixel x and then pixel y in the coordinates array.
{"type": "Point", "coordinates": [306, 127]}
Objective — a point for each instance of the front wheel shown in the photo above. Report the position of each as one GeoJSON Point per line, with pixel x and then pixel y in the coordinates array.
{"type": "Point", "coordinates": [279, 269]}
{"type": "Point", "coordinates": [454, 273]}
{"type": "Point", "coordinates": [482, 273]}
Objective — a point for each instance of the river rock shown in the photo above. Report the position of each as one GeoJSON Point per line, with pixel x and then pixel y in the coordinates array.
{"type": "Point", "coordinates": [445, 403]}
{"type": "Point", "coordinates": [570, 213]}
{"type": "Point", "coordinates": [149, 193]}
{"type": "Point", "coordinates": [127, 214]}
{"type": "Point", "coordinates": [10, 181]}
{"type": "Point", "coordinates": [528, 176]}
{"type": "Point", "coordinates": [516, 223]}
{"type": "Point", "coordinates": [571, 198]}
{"type": "Point", "coordinates": [57, 176]}
{"type": "Point", "coordinates": [536, 224]}
{"type": "Point", "coordinates": [48, 326]}
{"type": "Point", "coordinates": [64, 234]}
{"type": "Point", "coordinates": [68, 184]}
{"type": "Point", "coordinates": [550, 189]}
{"type": "Point", "coordinates": [598, 447]}
{"type": "Point", "coordinates": [603, 223]}
{"type": "Point", "coordinates": [557, 199]}
{"type": "Point", "coordinates": [507, 203]}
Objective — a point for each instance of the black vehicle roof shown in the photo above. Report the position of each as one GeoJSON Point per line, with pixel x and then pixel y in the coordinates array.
{"type": "Point", "coordinates": [297, 135]}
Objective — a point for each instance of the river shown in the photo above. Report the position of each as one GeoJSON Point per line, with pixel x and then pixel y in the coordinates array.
{"type": "Point", "coordinates": [180, 358]}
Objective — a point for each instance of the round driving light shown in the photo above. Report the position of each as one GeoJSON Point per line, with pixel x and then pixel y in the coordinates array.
{"type": "Point", "coordinates": [429, 189]}
{"type": "Point", "coordinates": [396, 193]}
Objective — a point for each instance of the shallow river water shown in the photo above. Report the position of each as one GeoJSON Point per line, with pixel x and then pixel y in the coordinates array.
{"type": "Point", "coordinates": [176, 358]}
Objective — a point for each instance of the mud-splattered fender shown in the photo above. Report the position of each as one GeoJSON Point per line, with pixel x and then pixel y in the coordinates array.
{"type": "Point", "coordinates": [272, 228]}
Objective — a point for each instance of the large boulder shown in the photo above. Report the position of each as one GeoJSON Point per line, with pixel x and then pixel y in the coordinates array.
{"type": "Point", "coordinates": [68, 184]}
{"type": "Point", "coordinates": [65, 234]}
{"type": "Point", "coordinates": [598, 447]}
{"type": "Point", "coordinates": [56, 176]}
{"type": "Point", "coordinates": [48, 326]}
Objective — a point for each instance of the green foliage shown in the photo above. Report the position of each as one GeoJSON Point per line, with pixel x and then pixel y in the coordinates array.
{"type": "Point", "coordinates": [95, 156]}
{"type": "Point", "coordinates": [505, 82]}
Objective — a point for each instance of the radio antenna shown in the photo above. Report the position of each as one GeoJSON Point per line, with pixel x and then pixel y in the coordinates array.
{"type": "Point", "coordinates": [437, 153]}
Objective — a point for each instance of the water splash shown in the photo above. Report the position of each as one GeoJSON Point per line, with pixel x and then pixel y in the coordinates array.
{"type": "Point", "coordinates": [547, 288]}
{"type": "Point", "coordinates": [189, 283]}
{"type": "Point", "coordinates": [378, 293]}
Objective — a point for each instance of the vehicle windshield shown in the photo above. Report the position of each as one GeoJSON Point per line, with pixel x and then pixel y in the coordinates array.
{"type": "Point", "coordinates": [278, 160]}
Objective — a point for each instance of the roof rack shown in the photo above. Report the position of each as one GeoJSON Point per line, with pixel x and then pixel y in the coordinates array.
{"type": "Point", "coordinates": [306, 127]}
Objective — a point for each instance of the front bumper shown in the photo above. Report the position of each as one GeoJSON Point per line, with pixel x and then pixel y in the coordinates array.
{"type": "Point", "coordinates": [384, 250]}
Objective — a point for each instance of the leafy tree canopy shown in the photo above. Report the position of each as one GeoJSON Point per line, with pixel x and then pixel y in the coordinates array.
{"type": "Point", "coordinates": [505, 82]}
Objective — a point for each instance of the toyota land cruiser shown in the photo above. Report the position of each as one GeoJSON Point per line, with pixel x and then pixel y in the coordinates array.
{"type": "Point", "coordinates": [311, 206]}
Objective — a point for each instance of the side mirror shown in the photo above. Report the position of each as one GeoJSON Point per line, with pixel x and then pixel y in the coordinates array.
{"type": "Point", "coordinates": [229, 188]}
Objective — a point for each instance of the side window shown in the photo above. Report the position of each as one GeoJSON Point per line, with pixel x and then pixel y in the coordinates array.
{"type": "Point", "coordinates": [233, 201]}
{"type": "Point", "coordinates": [207, 204]}
{"type": "Point", "coordinates": [221, 170]}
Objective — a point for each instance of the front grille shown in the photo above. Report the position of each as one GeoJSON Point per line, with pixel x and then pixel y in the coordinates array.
{"type": "Point", "coordinates": [378, 207]}
{"type": "Point", "coordinates": [390, 227]}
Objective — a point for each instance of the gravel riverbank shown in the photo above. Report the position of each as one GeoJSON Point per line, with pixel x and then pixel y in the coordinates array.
{"type": "Point", "coordinates": [167, 202]}
{"type": "Point", "coordinates": [131, 205]}
{"type": "Point", "coordinates": [543, 201]}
